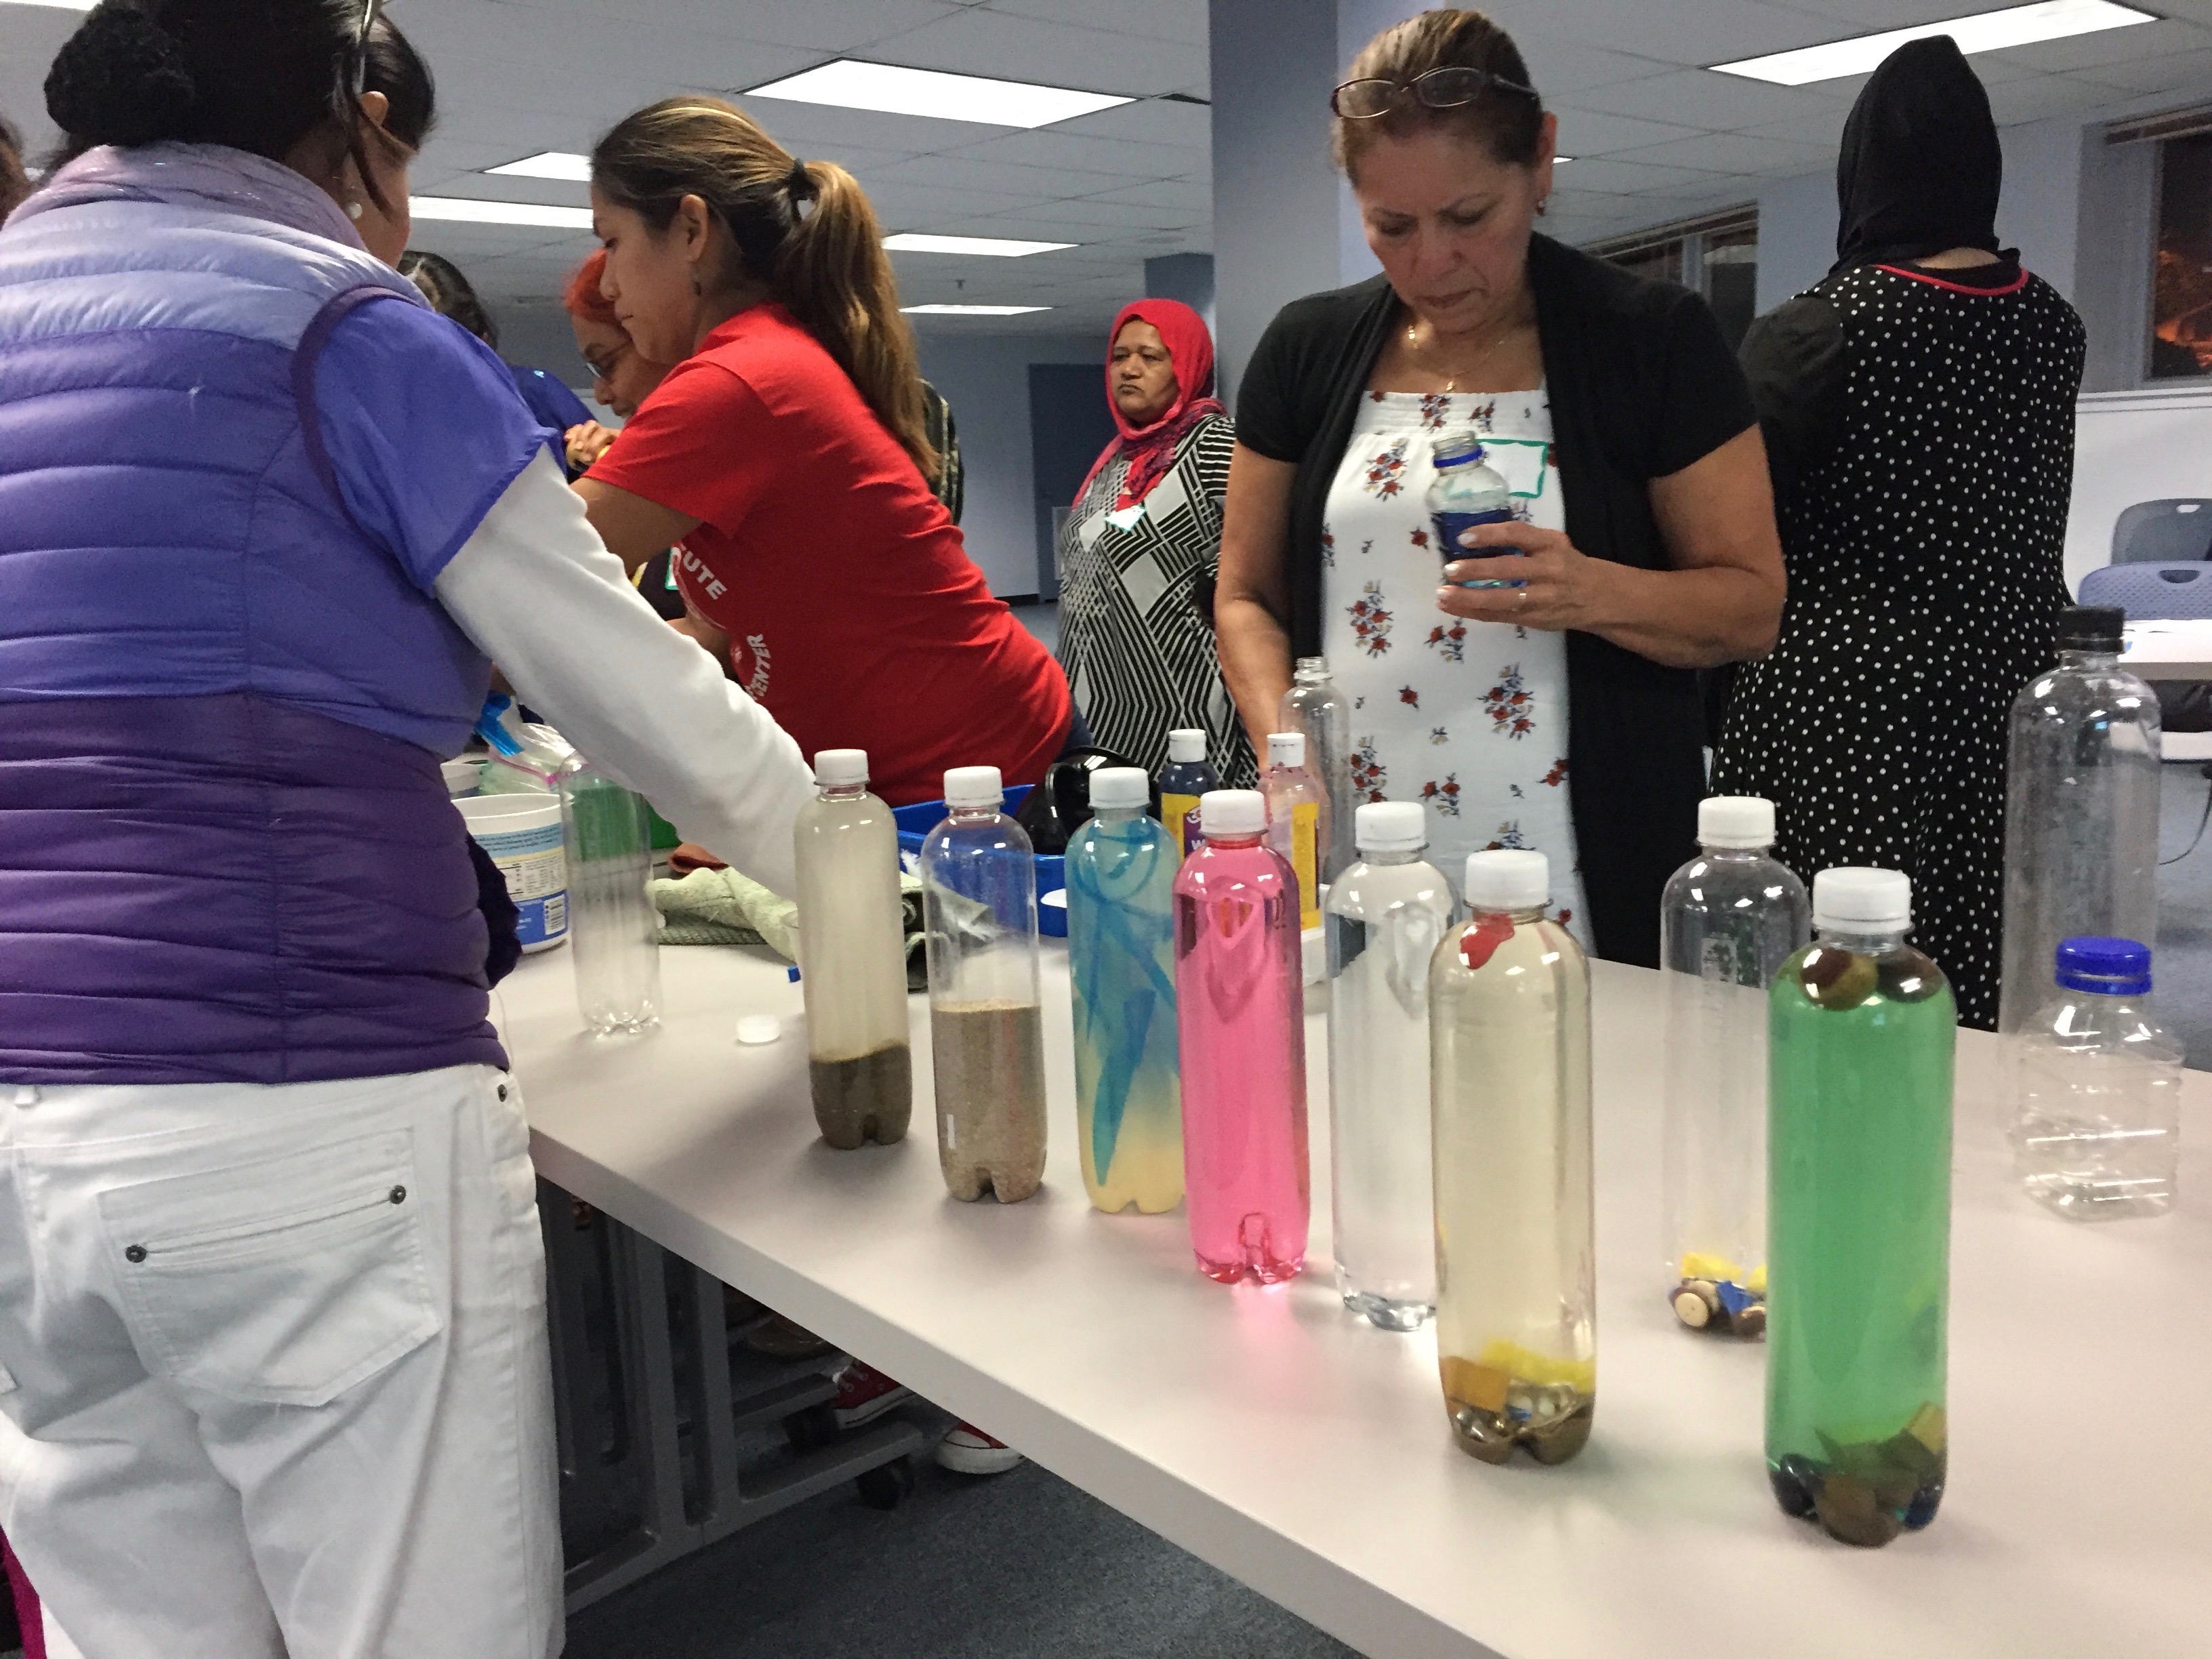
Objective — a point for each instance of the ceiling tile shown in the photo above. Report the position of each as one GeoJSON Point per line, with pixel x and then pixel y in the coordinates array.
{"type": "Point", "coordinates": [1735, 153]}
{"type": "Point", "coordinates": [1049, 147]}
{"type": "Point", "coordinates": [1585, 131]}
{"type": "Point", "coordinates": [1160, 20]}
{"type": "Point", "coordinates": [1164, 192]}
{"type": "Point", "coordinates": [974, 173]}
{"type": "Point", "coordinates": [2046, 95]}
{"type": "Point", "coordinates": [1089, 211]}
{"type": "Point", "coordinates": [2146, 42]}
{"type": "Point", "coordinates": [1718, 103]}
{"type": "Point", "coordinates": [1680, 32]}
{"type": "Point", "coordinates": [995, 43]}
{"type": "Point", "coordinates": [838, 27]}
{"type": "Point", "coordinates": [2183, 70]}
{"type": "Point", "coordinates": [1561, 66]}
{"type": "Point", "coordinates": [1151, 121]}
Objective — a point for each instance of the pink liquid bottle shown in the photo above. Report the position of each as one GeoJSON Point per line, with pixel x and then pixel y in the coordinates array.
{"type": "Point", "coordinates": [1240, 1027]}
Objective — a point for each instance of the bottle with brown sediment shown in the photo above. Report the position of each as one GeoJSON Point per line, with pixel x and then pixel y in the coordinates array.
{"type": "Point", "coordinates": [987, 1033]}
{"type": "Point", "coordinates": [852, 946]}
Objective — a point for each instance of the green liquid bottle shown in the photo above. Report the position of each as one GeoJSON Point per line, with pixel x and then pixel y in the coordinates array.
{"type": "Point", "coordinates": [1861, 1031]}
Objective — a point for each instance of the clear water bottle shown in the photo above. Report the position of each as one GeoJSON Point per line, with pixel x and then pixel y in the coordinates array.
{"type": "Point", "coordinates": [987, 1034]}
{"type": "Point", "coordinates": [1314, 706]}
{"type": "Point", "coordinates": [2097, 1131]}
{"type": "Point", "coordinates": [613, 929]}
{"type": "Point", "coordinates": [1298, 828]}
{"type": "Point", "coordinates": [1186, 777]}
{"type": "Point", "coordinates": [852, 948]}
{"type": "Point", "coordinates": [1121, 968]}
{"type": "Point", "coordinates": [1467, 491]}
{"type": "Point", "coordinates": [1240, 1029]}
{"type": "Point", "coordinates": [1729, 919]}
{"type": "Point", "coordinates": [1861, 1032]}
{"type": "Point", "coordinates": [1386, 915]}
{"type": "Point", "coordinates": [1510, 1087]}
{"type": "Point", "coordinates": [2081, 810]}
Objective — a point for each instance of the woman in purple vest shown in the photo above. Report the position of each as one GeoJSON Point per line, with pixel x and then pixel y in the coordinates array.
{"type": "Point", "coordinates": [273, 1375]}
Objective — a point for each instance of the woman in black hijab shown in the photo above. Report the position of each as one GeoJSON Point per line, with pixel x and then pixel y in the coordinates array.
{"type": "Point", "coordinates": [1918, 410]}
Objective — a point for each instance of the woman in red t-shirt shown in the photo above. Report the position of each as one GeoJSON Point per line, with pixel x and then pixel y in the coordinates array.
{"type": "Point", "coordinates": [786, 456]}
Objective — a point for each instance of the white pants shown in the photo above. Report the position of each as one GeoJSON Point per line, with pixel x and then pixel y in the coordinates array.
{"type": "Point", "coordinates": [275, 1383]}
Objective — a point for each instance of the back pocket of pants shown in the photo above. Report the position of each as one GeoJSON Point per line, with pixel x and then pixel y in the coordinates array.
{"type": "Point", "coordinates": [286, 1281]}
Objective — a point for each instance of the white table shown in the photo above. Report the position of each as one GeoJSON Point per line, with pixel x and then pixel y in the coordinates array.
{"type": "Point", "coordinates": [2168, 650]}
{"type": "Point", "coordinates": [1306, 1453]}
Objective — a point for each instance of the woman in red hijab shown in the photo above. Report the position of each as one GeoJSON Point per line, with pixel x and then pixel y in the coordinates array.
{"type": "Point", "coordinates": [1139, 553]}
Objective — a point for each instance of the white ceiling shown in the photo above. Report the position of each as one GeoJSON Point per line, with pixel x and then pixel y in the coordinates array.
{"type": "Point", "coordinates": [1655, 137]}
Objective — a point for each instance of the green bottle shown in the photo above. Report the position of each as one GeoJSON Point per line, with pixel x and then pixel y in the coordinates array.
{"type": "Point", "coordinates": [1861, 1031]}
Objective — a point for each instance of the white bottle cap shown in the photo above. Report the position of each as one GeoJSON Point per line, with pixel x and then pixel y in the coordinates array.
{"type": "Point", "coordinates": [1735, 821]}
{"type": "Point", "coordinates": [974, 786]}
{"type": "Point", "coordinates": [1232, 813]}
{"type": "Point", "coordinates": [1187, 744]}
{"type": "Point", "coordinates": [1391, 826]}
{"type": "Point", "coordinates": [1507, 880]}
{"type": "Point", "coordinates": [1121, 786]}
{"type": "Point", "coordinates": [1862, 901]}
{"type": "Point", "coordinates": [840, 768]}
{"type": "Point", "coordinates": [1286, 749]}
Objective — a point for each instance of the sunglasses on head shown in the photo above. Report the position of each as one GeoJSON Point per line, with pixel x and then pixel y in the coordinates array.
{"type": "Point", "coordinates": [1439, 88]}
{"type": "Point", "coordinates": [369, 10]}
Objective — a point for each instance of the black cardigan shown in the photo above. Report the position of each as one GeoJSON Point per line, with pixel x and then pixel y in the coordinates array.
{"type": "Point", "coordinates": [1641, 384]}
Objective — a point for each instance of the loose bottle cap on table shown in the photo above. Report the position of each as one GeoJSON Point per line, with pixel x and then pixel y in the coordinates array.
{"type": "Point", "coordinates": [1232, 813]}
{"type": "Point", "coordinates": [1121, 786]}
{"type": "Point", "coordinates": [1286, 749]}
{"type": "Point", "coordinates": [2109, 967]}
{"type": "Point", "coordinates": [2090, 627]}
{"type": "Point", "coordinates": [1391, 826]}
{"type": "Point", "coordinates": [1862, 901]}
{"type": "Point", "coordinates": [1735, 821]}
{"type": "Point", "coordinates": [1186, 744]}
{"type": "Point", "coordinates": [1507, 880]}
{"type": "Point", "coordinates": [840, 768]}
{"type": "Point", "coordinates": [974, 786]}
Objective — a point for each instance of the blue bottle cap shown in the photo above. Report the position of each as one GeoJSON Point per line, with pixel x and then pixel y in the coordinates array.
{"type": "Point", "coordinates": [1456, 447]}
{"type": "Point", "coordinates": [2104, 967]}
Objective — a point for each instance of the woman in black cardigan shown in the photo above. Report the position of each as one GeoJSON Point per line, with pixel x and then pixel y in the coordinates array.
{"type": "Point", "coordinates": [1645, 539]}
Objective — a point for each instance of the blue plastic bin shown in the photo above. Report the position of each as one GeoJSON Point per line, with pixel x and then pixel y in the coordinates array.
{"type": "Point", "coordinates": [915, 821]}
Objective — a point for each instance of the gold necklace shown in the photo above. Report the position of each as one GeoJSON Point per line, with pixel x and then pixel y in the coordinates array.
{"type": "Point", "coordinates": [1451, 379]}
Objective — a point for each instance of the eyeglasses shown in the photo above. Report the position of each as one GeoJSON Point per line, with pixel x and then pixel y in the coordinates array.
{"type": "Point", "coordinates": [1448, 88]}
{"type": "Point", "coordinates": [603, 365]}
{"type": "Point", "coordinates": [369, 10]}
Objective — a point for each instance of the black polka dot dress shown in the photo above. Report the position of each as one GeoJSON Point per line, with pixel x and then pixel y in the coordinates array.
{"type": "Point", "coordinates": [1921, 426]}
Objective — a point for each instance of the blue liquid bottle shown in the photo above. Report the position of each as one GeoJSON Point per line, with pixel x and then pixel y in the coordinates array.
{"type": "Point", "coordinates": [1467, 491]}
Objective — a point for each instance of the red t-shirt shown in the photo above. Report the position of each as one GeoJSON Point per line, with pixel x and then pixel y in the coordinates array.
{"type": "Point", "coordinates": [855, 616]}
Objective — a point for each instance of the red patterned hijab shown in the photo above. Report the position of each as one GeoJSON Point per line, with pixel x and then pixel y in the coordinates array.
{"type": "Point", "coordinates": [1152, 449]}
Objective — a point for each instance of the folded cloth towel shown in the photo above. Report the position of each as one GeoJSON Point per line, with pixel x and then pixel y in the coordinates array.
{"type": "Point", "coordinates": [721, 907]}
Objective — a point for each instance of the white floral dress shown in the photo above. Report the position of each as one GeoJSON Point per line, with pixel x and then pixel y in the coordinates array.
{"type": "Point", "coordinates": [1468, 718]}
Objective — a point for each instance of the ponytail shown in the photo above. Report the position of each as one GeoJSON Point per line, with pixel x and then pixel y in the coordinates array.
{"type": "Point", "coordinates": [804, 229]}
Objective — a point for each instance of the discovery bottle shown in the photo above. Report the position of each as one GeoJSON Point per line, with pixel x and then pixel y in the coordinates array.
{"type": "Point", "coordinates": [1183, 780]}
{"type": "Point", "coordinates": [1314, 707]}
{"type": "Point", "coordinates": [1297, 818]}
{"type": "Point", "coordinates": [613, 929]}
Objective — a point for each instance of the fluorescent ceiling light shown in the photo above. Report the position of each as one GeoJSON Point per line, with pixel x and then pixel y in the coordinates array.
{"type": "Point", "coordinates": [1988, 30]}
{"type": "Point", "coordinates": [547, 164]}
{"type": "Point", "coordinates": [850, 84]}
{"type": "Point", "coordinates": [996, 247]}
{"type": "Point", "coordinates": [971, 311]}
{"type": "Point", "coordinates": [59, 5]}
{"type": "Point", "coordinates": [466, 210]}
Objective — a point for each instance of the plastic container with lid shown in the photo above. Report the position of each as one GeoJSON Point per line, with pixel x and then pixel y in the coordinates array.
{"type": "Point", "coordinates": [522, 833]}
{"type": "Point", "coordinates": [1467, 491]}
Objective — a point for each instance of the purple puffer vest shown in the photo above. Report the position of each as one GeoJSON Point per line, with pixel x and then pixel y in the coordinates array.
{"type": "Point", "coordinates": [226, 852]}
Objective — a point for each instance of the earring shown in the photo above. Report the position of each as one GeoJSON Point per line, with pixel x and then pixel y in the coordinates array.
{"type": "Point", "coordinates": [1543, 205]}
{"type": "Point", "coordinates": [355, 210]}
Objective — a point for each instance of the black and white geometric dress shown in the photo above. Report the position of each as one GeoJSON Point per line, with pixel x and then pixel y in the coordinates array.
{"type": "Point", "coordinates": [1922, 425]}
{"type": "Point", "coordinates": [1138, 648]}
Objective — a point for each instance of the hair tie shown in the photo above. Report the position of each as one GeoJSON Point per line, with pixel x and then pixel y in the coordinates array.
{"type": "Point", "coordinates": [798, 184]}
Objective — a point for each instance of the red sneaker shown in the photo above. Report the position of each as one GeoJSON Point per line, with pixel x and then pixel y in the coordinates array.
{"type": "Point", "coordinates": [865, 1393]}
{"type": "Point", "coordinates": [968, 1450]}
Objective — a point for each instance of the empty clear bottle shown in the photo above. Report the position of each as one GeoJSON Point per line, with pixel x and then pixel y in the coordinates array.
{"type": "Point", "coordinates": [1516, 1290]}
{"type": "Point", "coordinates": [1385, 917]}
{"type": "Point", "coordinates": [2097, 1131]}
{"type": "Point", "coordinates": [1729, 919]}
{"type": "Point", "coordinates": [613, 929]}
{"type": "Point", "coordinates": [1240, 1018]}
{"type": "Point", "coordinates": [852, 949]}
{"type": "Point", "coordinates": [1860, 1036]}
{"type": "Point", "coordinates": [2081, 810]}
{"type": "Point", "coordinates": [986, 1033]}
{"type": "Point", "coordinates": [1314, 707]}
{"type": "Point", "coordinates": [1186, 777]}
{"type": "Point", "coordinates": [1120, 966]}
{"type": "Point", "coordinates": [1467, 491]}
{"type": "Point", "coordinates": [1297, 817]}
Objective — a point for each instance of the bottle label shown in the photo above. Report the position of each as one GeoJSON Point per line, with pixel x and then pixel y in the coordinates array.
{"type": "Point", "coordinates": [1305, 823]}
{"type": "Point", "coordinates": [1451, 526]}
{"type": "Point", "coordinates": [1174, 809]}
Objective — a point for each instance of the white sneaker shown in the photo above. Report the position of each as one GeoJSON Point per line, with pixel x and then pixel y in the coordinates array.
{"type": "Point", "coordinates": [968, 1450]}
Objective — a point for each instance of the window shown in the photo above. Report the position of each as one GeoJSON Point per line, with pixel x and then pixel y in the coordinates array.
{"type": "Point", "coordinates": [2181, 265]}
{"type": "Point", "coordinates": [1717, 254]}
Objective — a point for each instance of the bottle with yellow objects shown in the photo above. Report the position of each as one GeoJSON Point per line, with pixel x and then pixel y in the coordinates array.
{"type": "Point", "coordinates": [1298, 829]}
{"type": "Point", "coordinates": [1510, 1096]}
{"type": "Point", "coordinates": [1186, 777]}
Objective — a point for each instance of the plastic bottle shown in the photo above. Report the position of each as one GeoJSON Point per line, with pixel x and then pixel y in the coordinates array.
{"type": "Point", "coordinates": [852, 942]}
{"type": "Point", "coordinates": [1240, 1032]}
{"type": "Point", "coordinates": [1120, 964]}
{"type": "Point", "coordinates": [1386, 914]}
{"type": "Point", "coordinates": [1860, 1036]}
{"type": "Point", "coordinates": [1729, 919]}
{"type": "Point", "coordinates": [2098, 1133]}
{"type": "Point", "coordinates": [612, 927]}
{"type": "Point", "coordinates": [987, 1034]}
{"type": "Point", "coordinates": [1297, 818]}
{"type": "Point", "coordinates": [1517, 1292]}
{"type": "Point", "coordinates": [1314, 706]}
{"type": "Point", "coordinates": [1183, 780]}
{"type": "Point", "coordinates": [1467, 491]}
{"type": "Point", "coordinates": [2081, 810]}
